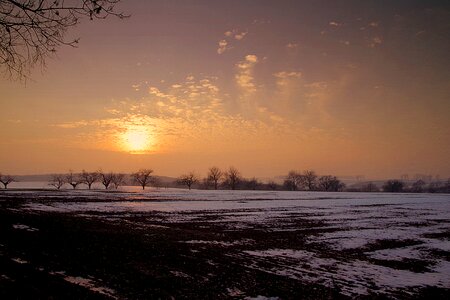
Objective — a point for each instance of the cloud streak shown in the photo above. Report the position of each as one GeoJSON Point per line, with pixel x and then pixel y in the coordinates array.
{"type": "Point", "coordinates": [244, 77]}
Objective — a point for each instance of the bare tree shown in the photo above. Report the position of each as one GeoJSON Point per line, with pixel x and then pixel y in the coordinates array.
{"type": "Point", "coordinates": [106, 178]}
{"type": "Point", "coordinates": [214, 176]}
{"type": "Point", "coordinates": [188, 179]}
{"type": "Point", "coordinates": [272, 185]}
{"type": "Point", "coordinates": [417, 186]}
{"type": "Point", "coordinates": [118, 180]}
{"type": "Point", "coordinates": [293, 181]}
{"type": "Point", "coordinates": [252, 183]}
{"type": "Point", "coordinates": [32, 30]}
{"type": "Point", "coordinates": [434, 187]}
{"type": "Point", "coordinates": [6, 179]}
{"type": "Point", "coordinates": [310, 177]}
{"type": "Point", "coordinates": [330, 183]}
{"type": "Point", "coordinates": [232, 177]}
{"type": "Point", "coordinates": [57, 181]}
{"type": "Point", "coordinates": [446, 188]}
{"type": "Point", "coordinates": [73, 179]}
{"type": "Point", "coordinates": [206, 184]}
{"type": "Point", "coordinates": [393, 186]}
{"type": "Point", "coordinates": [143, 177]}
{"type": "Point", "coordinates": [89, 178]}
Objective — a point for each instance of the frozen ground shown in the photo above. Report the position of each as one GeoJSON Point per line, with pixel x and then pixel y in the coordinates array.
{"type": "Point", "coordinates": [357, 243]}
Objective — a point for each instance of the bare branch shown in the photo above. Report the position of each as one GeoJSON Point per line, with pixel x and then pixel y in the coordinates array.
{"type": "Point", "coordinates": [31, 30]}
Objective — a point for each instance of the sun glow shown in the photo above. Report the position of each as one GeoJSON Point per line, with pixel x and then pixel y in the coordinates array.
{"type": "Point", "coordinates": [137, 140]}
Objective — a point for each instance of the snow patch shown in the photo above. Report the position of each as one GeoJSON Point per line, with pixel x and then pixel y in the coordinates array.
{"type": "Point", "coordinates": [24, 227]}
{"type": "Point", "coordinates": [19, 261]}
{"type": "Point", "coordinates": [91, 285]}
{"type": "Point", "coordinates": [355, 277]}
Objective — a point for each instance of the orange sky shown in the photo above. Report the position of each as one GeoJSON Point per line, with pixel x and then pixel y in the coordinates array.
{"type": "Point", "coordinates": [266, 86]}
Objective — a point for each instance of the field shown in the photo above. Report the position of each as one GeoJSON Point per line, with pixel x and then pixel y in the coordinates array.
{"type": "Point", "coordinates": [226, 244]}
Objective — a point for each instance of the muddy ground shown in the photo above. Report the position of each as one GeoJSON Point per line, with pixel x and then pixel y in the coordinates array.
{"type": "Point", "coordinates": [183, 255]}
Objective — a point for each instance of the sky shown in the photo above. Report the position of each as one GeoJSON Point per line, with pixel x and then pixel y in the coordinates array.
{"type": "Point", "coordinates": [341, 87]}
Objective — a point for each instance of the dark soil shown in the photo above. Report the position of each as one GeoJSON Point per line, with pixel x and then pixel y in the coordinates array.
{"type": "Point", "coordinates": [148, 256]}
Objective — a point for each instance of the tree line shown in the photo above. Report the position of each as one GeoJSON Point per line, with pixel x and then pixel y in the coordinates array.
{"type": "Point", "coordinates": [109, 180]}
{"type": "Point", "coordinates": [231, 178]}
{"type": "Point", "coordinates": [400, 186]}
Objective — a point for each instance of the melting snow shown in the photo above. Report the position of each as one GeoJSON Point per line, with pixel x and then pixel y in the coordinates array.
{"type": "Point", "coordinates": [24, 227]}
{"type": "Point", "coordinates": [19, 261]}
{"type": "Point", "coordinates": [353, 220]}
{"type": "Point", "coordinates": [91, 285]}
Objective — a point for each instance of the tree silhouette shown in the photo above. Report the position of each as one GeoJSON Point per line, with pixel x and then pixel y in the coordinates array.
{"type": "Point", "coordinates": [143, 177]}
{"type": "Point", "coordinates": [57, 181]}
{"type": "Point", "coordinates": [252, 183]}
{"type": "Point", "coordinates": [118, 180]}
{"type": "Point", "coordinates": [6, 179]}
{"type": "Point", "coordinates": [418, 186]}
{"type": "Point", "coordinates": [188, 179]}
{"type": "Point", "coordinates": [393, 186]}
{"type": "Point", "coordinates": [73, 179]}
{"type": "Point", "coordinates": [214, 176]}
{"type": "Point", "coordinates": [106, 179]}
{"type": "Point", "coordinates": [293, 181]}
{"type": "Point", "coordinates": [232, 177]}
{"type": "Point", "coordinates": [330, 183]}
{"type": "Point", "coordinates": [32, 30]}
{"type": "Point", "coordinates": [89, 178]}
{"type": "Point", "coordinates": [309, 177]}
{"type": "Point", "coordinates": [272, 185]}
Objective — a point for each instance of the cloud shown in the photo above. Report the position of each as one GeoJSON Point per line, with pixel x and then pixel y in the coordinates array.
{"type": "Point", "coordinates": [195, 113]}
{"type": "Point", "coordinates": [375, 41]}
{"type": "Point", "coordinates": [223, 46]}
{"type": "Point", "coordinates": [335, 24]}
{"type": "Point", "coordinates": [284, 77]}
{"type": "Point", "coordinates": [240, 36]}
{"type": "Point", "coordinates": [76, 124]}
{"type": "Point", "coordinates": [292, 46]}
{"type": "Point", "coordinates": [230, 36]}
{"type": "Point", "coordinates": [244, 77]}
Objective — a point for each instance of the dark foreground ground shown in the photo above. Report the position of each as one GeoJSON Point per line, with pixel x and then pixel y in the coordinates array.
{"type": "Point", "coordinates": [150, 256]}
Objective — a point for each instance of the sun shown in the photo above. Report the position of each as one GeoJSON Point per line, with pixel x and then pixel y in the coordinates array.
{"type": "Point", "coordinates": [137, 140]}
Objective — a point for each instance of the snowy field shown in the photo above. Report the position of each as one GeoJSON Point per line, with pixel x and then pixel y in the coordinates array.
{"type": "Point", "coordinates": [359, 243]}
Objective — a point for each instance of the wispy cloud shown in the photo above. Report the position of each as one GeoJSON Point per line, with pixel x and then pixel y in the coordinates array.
{"type": "Point", "coordinates": [244, 77]}
{"type": "Point", "coordinates": [284, 77]}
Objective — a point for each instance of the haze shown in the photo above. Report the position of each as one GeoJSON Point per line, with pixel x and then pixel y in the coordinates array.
{"type": "Point", "coordinates": [345, 88]}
